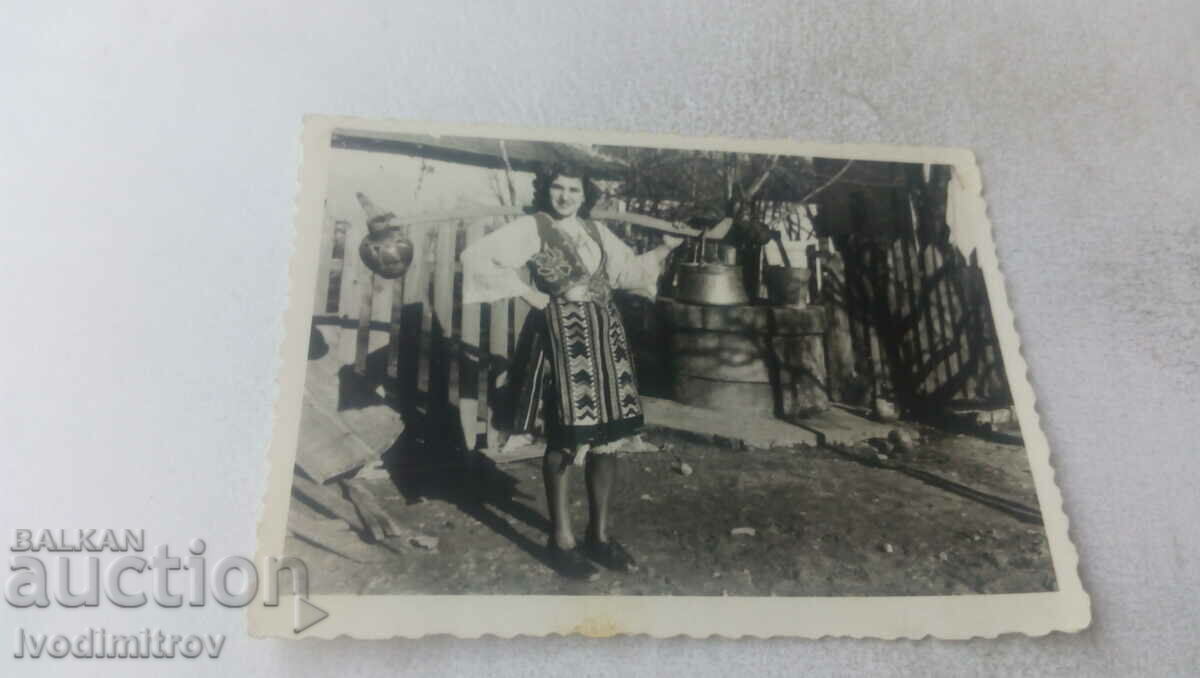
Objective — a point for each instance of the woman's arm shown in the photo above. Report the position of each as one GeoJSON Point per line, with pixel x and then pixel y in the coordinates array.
{"type": "Point", "coordinates": [636, 272]}
{"type": "Point", "coordinates": [490, 265]}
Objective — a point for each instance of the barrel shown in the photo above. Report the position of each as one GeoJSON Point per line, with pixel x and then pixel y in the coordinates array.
{"type": "Point", "coordinates": [758, 360]}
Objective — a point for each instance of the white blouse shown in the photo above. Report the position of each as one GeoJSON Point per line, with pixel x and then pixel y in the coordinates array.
{"type": "Point", "coordinates": [490, 265]}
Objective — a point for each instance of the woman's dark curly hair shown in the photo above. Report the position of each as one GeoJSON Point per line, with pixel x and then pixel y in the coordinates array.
{"type": "Point", "coordinates": [547, 173]}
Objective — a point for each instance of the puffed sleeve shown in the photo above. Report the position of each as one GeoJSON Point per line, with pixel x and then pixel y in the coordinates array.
{"type": "Point", "coordinates": [490, 264]}
{"type": "Point", "coordinates": [637, 273]}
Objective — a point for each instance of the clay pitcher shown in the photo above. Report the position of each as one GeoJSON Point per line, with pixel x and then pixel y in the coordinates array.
{"type": "Point", "coordinates": [387, 252]}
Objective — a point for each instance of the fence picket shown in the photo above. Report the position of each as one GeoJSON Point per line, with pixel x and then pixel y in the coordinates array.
{"type": "Point", "coordinates": [442, 328]}
{"type": "Point", "coordinates": [471, 403]}
{"type": "Point", "coordinates": [362, 337]}
{"type": "Point", "coordinates": [395, 329]}
{"type": "Point", "coordinates": [498, 354]}
{"type": "Point", "coordinates": [355, 277]}
{"type": "Point", "coordinates": [949, 335]}
{"type": "Point", "coordinates": [324, 266]}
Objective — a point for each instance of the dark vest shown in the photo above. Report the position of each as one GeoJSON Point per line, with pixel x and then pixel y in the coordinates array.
{"type": "Point", "coordinates": [558, 267]}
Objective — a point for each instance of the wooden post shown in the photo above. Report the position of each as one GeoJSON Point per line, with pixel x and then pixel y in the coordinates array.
{"type": "Point", "coordinates": [470, 361]}
{"type": "Point", "coordinates": [442, 329]}
{"type": "Point", "coordinates": [324, 266]}
{"type": "Point", "coordinates": [941, 295]}
{"type": "Point", "coordinates": [939, 372]}
{"type": "Point", "coordinates": [840, 364]}
{"type": "Point", "coordinates": [498, 358]}
{"type": "Point", "coordinates": [395, 331]}
{"type": "Point", "coordinates": [355, 277]}
{"type": "Point", "coordinates": [416, 290]}
{"type": "Point", "coordinates": [363, 333]}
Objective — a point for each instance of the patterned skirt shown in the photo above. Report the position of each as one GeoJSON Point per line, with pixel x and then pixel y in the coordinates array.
{"type": "Point", "coordinates": [576, 364]}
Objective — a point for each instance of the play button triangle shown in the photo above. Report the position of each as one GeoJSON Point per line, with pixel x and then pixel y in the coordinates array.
{"type": "Point", "coordinates": [307, 614]}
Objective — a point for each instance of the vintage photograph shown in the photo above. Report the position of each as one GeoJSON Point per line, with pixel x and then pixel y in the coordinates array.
{"type": "Point", "coordinates": [575, 366]}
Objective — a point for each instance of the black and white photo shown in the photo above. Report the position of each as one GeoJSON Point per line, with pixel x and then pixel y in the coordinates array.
{"type": "Point", "coordinates": [660, 385]}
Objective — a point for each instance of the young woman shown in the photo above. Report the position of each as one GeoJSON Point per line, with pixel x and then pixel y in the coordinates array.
{"type": "Point", "coordinates": [580, 364]}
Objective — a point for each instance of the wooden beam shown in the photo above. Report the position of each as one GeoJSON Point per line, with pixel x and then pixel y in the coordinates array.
{"type": "Point", "coordinates": [475, 212]}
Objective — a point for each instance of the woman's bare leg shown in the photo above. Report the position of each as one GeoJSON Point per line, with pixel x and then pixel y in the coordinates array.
{"type": "Point", "coordinates": [556, 466]}
{"type": "Point", "coordinates": [600, 473]}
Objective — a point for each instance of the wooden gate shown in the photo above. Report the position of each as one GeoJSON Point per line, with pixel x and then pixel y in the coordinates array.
{"type": "Point", "coordinates": [909, 314]}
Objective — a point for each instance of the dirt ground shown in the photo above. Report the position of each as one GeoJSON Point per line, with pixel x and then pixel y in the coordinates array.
{"type": "Point", "coordinates": [823, 523]}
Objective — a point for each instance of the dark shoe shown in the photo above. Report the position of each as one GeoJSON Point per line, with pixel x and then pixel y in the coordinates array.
{"type": "Point", "coordinates": [611, 555]}
{"type": "Point", "coordinates": [571, 564]}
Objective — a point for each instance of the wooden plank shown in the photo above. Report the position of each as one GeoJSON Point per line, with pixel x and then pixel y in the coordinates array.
{"type": "Point", "coordinates": [878, 376]}
{"type": "Point", "coordinates": [337, 255]}
{"type": "Point", "coordinates": [333, 335]}
{"type": "Point", "coordinates": [939, 372]}
{"type": "Point", "coordinates": [454, 354]}
{"type": "Point", "coordinates": [893, 306]}
{"type": "Point", "coordinates": [948, 339]}
{"type": "Point", "coordinates": [974, 309]}
{"type": "Point", "coordinates": [327, 448]}
{"type": "Point", "coordinates": [916, 365]}
{"type": "Point", "coordinates": [923, 317]}
{"type": "Point", "coordinates": [482, 211]}
{"type": "Point", "coordinates": [908, 336]}
{"type": "Point", "coordinates": [375, 423]}
{"type": "Point", "coordinates": [363, 333]}
{"type": "Point", "coordinates": [498, 356]}
{"type": "Point", "coordinates": [959, 312]}
{"type": "Point", "coordinates": [395, 329]}
{"type": "Point", "coordinates": [470, 360]}
{"type": "Point", "coordinates": [324, 265]}
{"type": "Point", "coordinates": [355, 277]}
{"type": "Point", "coordinates": [442, 330]}
{"type": "Point", "coordinates": [425, 283]}
{"type": "Point", "coordinates": [381, 313]}
{"type": "Point", "coordinates": [919, 356]}
{"type": "Point", "coordinates": [414, 305]}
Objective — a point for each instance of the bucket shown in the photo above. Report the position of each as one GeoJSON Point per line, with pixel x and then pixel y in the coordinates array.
{"type": "Point", "coordinates": [787, 286]}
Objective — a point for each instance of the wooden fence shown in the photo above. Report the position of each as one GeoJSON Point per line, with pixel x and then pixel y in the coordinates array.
{"type": "Point", "coordinates": [411, 343]}
{"type": "Point", "coordinates": [909, 314]}
{"type": "Point", "coordinates": [435, 359]}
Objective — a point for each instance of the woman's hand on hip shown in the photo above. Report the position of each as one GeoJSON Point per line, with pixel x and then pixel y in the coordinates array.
{"type": "Point", "coordinates": [536, 299]}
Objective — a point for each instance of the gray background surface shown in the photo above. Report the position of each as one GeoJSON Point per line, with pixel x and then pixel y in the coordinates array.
{"type": "Point", "coordinates": [147, 173]}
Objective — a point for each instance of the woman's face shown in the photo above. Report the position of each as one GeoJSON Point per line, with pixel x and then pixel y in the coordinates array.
{"type": "Point", "coordinates": [566, 195]}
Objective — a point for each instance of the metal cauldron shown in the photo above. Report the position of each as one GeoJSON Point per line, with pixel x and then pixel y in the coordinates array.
{"type": "Point", "coordinates": [710, 284]}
